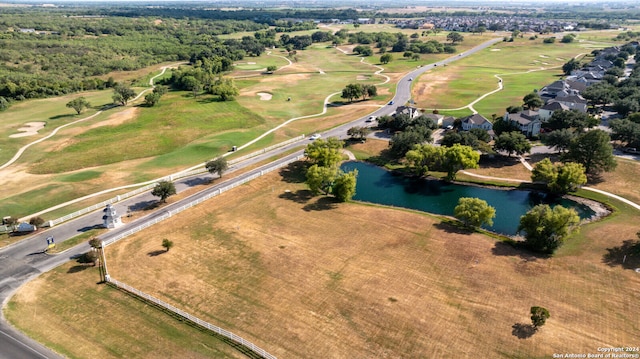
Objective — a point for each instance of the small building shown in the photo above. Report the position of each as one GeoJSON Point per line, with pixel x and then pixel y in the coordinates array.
{"type": "Point", "coordinates": [476, 121]}
{"type": "Point", "coordinates": [545, 112]}
{"type": "Point", "coordinates": [412, 112]}
{"type": "Point", "coordinates": [527, 121]}
{"type": "Point", "coordinates": [111, 219]}
{"type": "Point", "coordinates": [573, 102]}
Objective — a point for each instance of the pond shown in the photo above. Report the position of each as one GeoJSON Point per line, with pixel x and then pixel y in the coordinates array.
{"type": "Point", "coordinates": [377, 185]}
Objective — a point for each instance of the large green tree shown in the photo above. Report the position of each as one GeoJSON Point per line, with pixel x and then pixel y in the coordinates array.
{"type": "Point", "coordinates": [546, 228]}
{"type": "Point", "coordinates": [539, 316]}
{"type": "Point", "coordinates": [164, 189]}
{"type": "Point", "coordinates": [560, 178]}
{"type": "Point", "coordinates": [558, 139]}
{"type": "Point", "coordinates": [423, 158]}
{"type": "Point", "coordinates": [344, 187]}
{"type": "Point", "coordinates": [78, 104]}
{"type": "Point", "coordinates": [474, 212]}
{"type": "Point", "coordinates": [324, 153]}
{"type": "Point", "coordinates": [225, 88]}
{"type": "Point", "coordinates": [321, 178]}
{"type": "Point", "coordinates": [532, 101]}
{"type": "Point", "coordinates": [458, 157]}
{"type": "Point", "coordinates": [455, 37]}
{"type": "Point", "coordinates": [122, 93]}
{"type": "Point", "coordinates": [218, 165]}
{"type": "Point", "coordinates": [593, 150]}
{"type": "Point", "coordinates": [512, 142]}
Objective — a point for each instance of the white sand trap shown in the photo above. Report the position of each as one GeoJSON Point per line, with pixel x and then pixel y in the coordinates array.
{"type": "Point", "coordinates": [29, 129]}
{"type": "Point", "coordinates": [321, 72]}
{"type": "Point", "coordinates": [264, 96]}
{"type": "Point", "coordinates": [251, 63]}
{"type": "Point", "coordinates": [495, 49]}
{"type": "Point", "coordinates": [559, 59]}
{"type": "Point", "coordinates": [544, 56]}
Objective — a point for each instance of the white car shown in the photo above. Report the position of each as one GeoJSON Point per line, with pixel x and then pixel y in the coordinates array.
{"type": "Point", "coordinates": [315, 136]}
{"type": "Point", "coordinates": [370, 119]}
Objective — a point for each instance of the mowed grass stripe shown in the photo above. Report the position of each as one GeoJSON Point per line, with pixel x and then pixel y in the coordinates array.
{"type": "Point", "coordinates": [177, 121]}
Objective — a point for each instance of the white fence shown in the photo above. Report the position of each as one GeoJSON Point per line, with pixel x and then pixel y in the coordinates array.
{"type": "Point", "coordinates": [171, 178]}
{"type": "Point", "coordinates": [170, 307]}
{"type": "Point", "coordinates": [236, 338]}
{"type": "Point", "coordinates": [197, 201]}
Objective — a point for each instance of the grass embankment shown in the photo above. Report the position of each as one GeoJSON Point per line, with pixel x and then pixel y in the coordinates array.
{"type": "Point", "coordinates": [524, 66]}
{"type": "Point", "coordinates": [103, 322]}
{"type": "Point", "coordinates": [304, 277]}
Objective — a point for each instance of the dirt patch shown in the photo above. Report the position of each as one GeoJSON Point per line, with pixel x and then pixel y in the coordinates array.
{"type": "Point", "coordinates": [264, 96]}
{"type": "Point", "coordinates": [29, 129]}
{"type": "Point", "coordinates": [423, 90]}
{"type": "Point", "coordinates": [118, 118]}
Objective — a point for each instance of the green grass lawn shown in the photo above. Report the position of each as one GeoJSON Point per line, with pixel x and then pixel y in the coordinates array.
{"type": "Point", "coordinates": [524, 65]}
{"type": "Point", "coordinates": [51, 111]}
{"type": "Point", "coordinates": [173, 124]}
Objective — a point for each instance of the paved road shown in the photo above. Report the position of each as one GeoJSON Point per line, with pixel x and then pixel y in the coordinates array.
{"type": "Point", "coordinates": [25, 260]}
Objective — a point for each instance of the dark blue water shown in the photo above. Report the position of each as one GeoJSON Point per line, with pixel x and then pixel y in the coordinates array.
{"type": "Point", "coordinates": [377, 185]}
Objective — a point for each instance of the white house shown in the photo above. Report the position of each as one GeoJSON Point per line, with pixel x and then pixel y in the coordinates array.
{"type": "Point", "coordinates": [528, 121]}
{"type": "Point", "coordinates": [476, 121]}
{"type": "Point", "coordinates": [545, 112]}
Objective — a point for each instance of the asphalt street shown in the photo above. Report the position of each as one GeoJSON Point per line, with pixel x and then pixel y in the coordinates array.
{"type": "Point", "coordinates": [25, 260]}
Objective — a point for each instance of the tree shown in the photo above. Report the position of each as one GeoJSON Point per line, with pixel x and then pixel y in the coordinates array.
{"type": "Point", "coordinates": [344, 187]}
{"type": "Point", "coordinates": [545, 228]}
{"type": "Point", "coordinates": [151, 99]}
{"type": "Point", "coordinates": [95, 242]}
{"type": "Point", "coordinates": [568, 38]}
{"type": "Point", "coordinates": [386, 58]}
{"type": "Point", "coordinates": [474, 212]}
{"type": "Point", "coordinates": [4, 104]}
{"type": "Point", "coordinates": [78, 104]}
{"type": "Point", "coordinates": [352, 91]}
{"type": "Point", "coordinates": [122, 93]}
{"type": "Point", "coordinates": [625, 131]}
{"type": "Point", "coordinates": [459, 157]}
{"type": "Point", "coordinates": [454, 37]}
{"type": "Point", "coordinates": [167, 244]}
{"type": "Point", "coordinates": [370, 90]}
{"type": "Point", "coordinates": [324, 153]}
{"type": "Point", "coordinates": [424, 157]}
{"type": "Point", "coordinates": [93, 257]}
{"type": "Point", "coordinates": [321, 179]}
{"type": "Point", "coordinates": [593, 150]}
{"type": "Point", "coordinates": [404, 141]}
{"type": "Point", "coordinates": [571, 119]}
{"type": "Point", "coordinates": [532, 101]}
{"type": "Point", "coordinates": [225, 88]}
{"type": "Point", "coordinates": [560, 178]}
{"type": "Point", "coordinates": [271, 69]}
{"type": "Point", "coordinates": [570, 66]}
{"type": "Point", "coordinates": [359, 133]}
{"type": "Point", "coordinates": [539, 316]}
{"type": "Point", "coordinates": [512, 142]}
{"type": "Point", "coordinates": [164, 189]}
{"type": "Point", "coordinates": [36, 221]}
{"type": "Point", "coordinates": [558, 139]}
{"type": "Point", "coordinates": [218, 165]}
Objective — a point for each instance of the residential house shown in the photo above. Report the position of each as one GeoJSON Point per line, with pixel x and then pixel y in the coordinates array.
{"type": "Point", "coordinates": [528, 121]}
{"type": "Point", "coordinates": [545, 112]}
{"type": "Point", "coordinates": [573, 102]}
{"type": "Point", "coordinates": [412, 112]}
{"type": "Point", "coordinates": [476, 121]}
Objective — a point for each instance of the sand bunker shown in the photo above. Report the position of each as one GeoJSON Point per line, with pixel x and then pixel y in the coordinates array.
{"type": "Point", "coordinates": [495, 49]}
{"type": "Point", "coordinates": [544, 56]}
{"type": "Point", "coordinates": [29, 129]}
{"type": "Point", "coordinates": [264, 96]}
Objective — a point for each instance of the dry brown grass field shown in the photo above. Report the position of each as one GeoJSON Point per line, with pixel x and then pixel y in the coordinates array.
{"type": "Point", "coordinates": [305, 277]}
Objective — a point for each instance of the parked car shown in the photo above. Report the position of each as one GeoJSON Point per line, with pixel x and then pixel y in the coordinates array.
{"type": "Point", "coordinates": [315, 136]}
{"type": "Point", "coordinates": [390, 102]}
{"type": "Point", "coordinates": [370, 119]}
{"type": "Point", "coordinates": [630, 150]}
